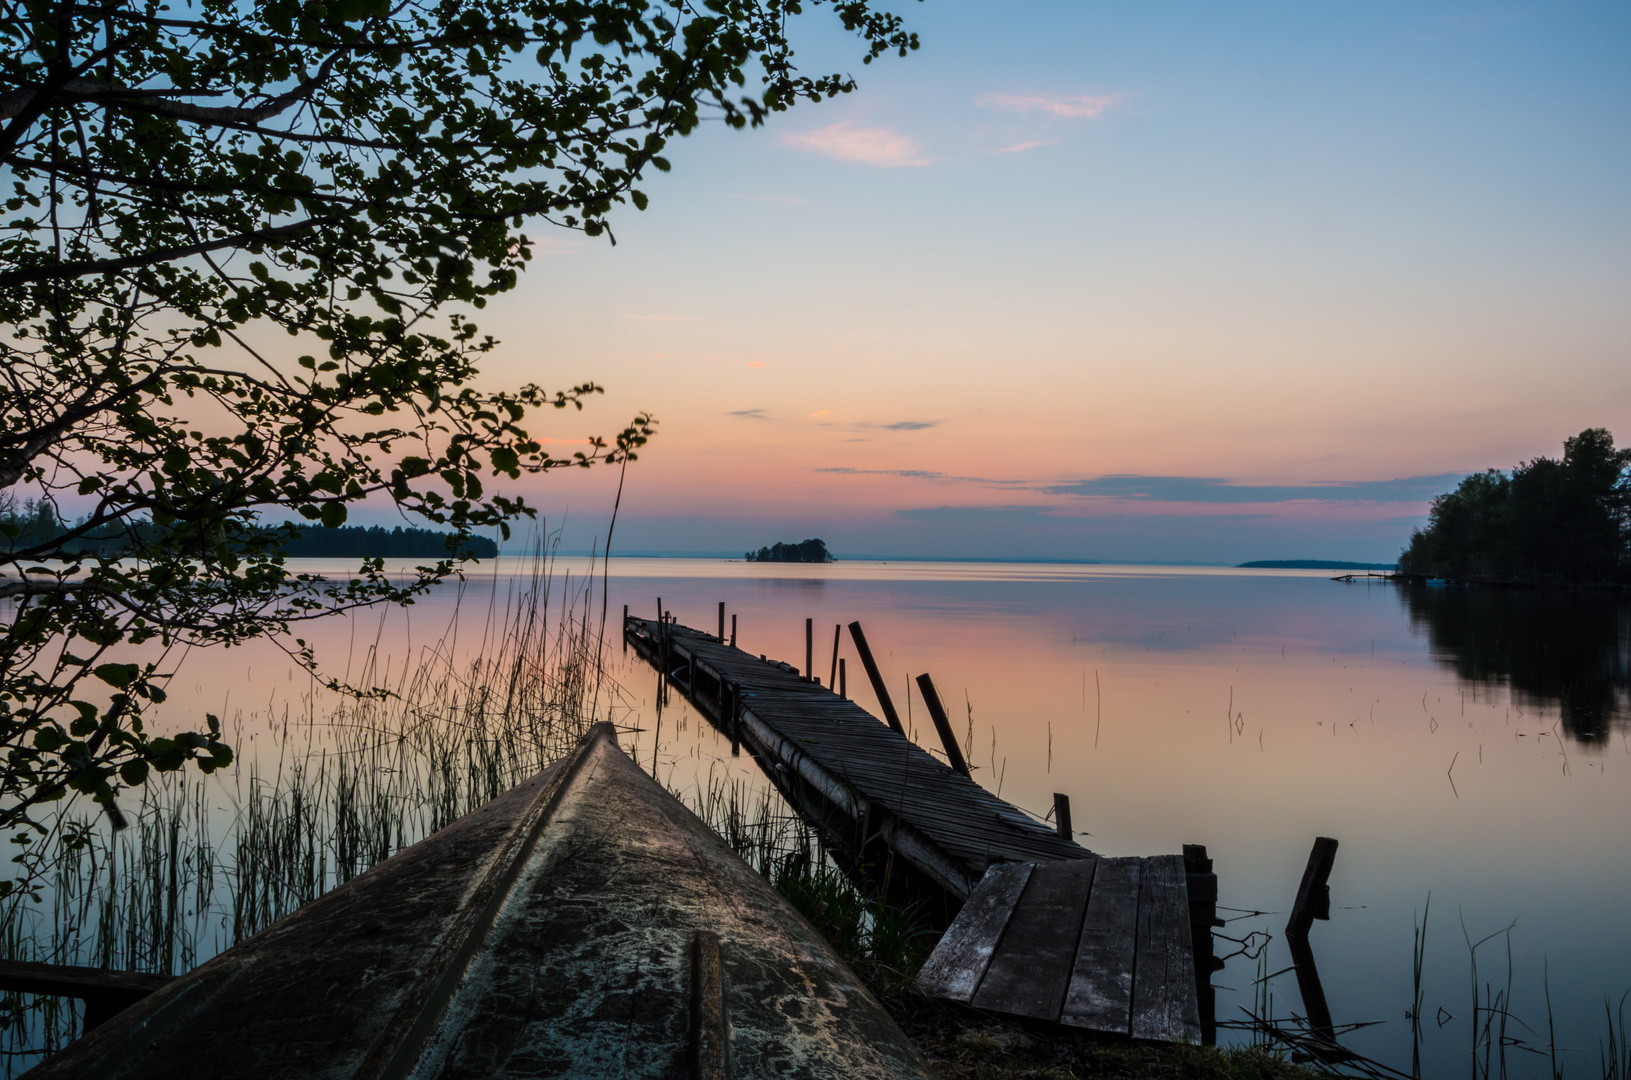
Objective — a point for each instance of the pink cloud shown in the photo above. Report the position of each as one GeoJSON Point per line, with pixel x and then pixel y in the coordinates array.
{"type": "Point", "coordinates": [1074, 106]}
{"type": "Point", "coordinates": [864, 146]}
{"type": "Point", "coordinates": [1021, 147]}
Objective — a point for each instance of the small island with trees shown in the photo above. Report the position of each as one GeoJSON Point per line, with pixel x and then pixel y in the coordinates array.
{"type": "Point", "coordinates": [1547, 522]}
{"type": "Point", "coordinates": [810, 551]}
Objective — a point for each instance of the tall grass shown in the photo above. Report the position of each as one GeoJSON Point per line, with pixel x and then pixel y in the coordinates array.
{"type": "Point", "coordinates": [885, 943]}
{"type": "Point", "coordinates": [209, 861]}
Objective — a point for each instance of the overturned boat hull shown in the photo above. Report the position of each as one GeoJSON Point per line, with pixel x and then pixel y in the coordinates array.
{"type": "Point", "coordinates": [583, 925]}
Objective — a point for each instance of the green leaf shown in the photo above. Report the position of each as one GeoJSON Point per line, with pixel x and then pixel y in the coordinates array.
{"type": "Point", "coordinates": [119, 676]}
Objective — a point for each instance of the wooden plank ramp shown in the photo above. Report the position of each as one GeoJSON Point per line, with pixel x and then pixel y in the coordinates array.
{"type": "Point", "coordinates": [948, 828]}
{"type": "Point", "coordinates": [1046, 928]}
{"type": "Point", "coordinates": [1097, 943]}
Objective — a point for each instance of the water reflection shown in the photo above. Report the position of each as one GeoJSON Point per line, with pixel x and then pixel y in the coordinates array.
{"type": "Point", "coordinates": [1568, 650]}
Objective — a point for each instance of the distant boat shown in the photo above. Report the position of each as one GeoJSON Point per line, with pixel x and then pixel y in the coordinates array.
{"type": "Point", "coordinates": [583, 925]}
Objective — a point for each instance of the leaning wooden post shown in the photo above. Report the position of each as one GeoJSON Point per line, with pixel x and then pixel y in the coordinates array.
{"type": "Point", "coordinates": [888, 706]}
{"type": "Point", "coordinates": [1061, 816]}
{"type": "Point", "coordinates": [832, 676]}
{"type": "Point", "coordinates": [942, 724]}
{"type": "Point", "coordinates": [1313, 895]}
{"type": "Point", "coordinates": [809, 649]}
{"type": "Point", "coordinates": [736, 721]}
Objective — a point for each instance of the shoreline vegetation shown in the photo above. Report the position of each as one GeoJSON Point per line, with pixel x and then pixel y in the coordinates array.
{"type": "Point", "coordinates": [36, 522]}
{"type": "Point", "coordinates": [808, 551]}
{"type": "Point", "coordinates": [1548, 522]}
{"type": "Point", "coordinates": [1313, 564]}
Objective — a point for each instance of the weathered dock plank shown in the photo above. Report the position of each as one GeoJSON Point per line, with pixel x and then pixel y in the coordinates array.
{"type": "Point", "coordinates": [1164, 979]}
{"type": "Point", "coordinates": [1101, 981]}
{"type": "Point", "coordinates": [1031, 968]}
{"type": "Point", "coordinates": [964, 953]}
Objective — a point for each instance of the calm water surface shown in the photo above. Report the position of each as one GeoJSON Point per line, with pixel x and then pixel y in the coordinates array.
{"type": "Point", "coordinates": [1467, 746]}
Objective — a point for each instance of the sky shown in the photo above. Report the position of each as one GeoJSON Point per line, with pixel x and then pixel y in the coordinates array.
{"type": "Point", "coordinates": [1176, 282]}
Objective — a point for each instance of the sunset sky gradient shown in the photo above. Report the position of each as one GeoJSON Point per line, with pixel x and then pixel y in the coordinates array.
{"type": "Point", "coordinates": [1129, 282]}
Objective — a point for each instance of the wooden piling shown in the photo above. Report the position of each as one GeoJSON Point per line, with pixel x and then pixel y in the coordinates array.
{"type": "Point", "coordinates": [809, 648]}
{"type": "Point", "coordinates": [832, 676]}
{"type": "Point", "coordinates": [942, 724]}
{"type": "Point", "coordinates": [736, 721]}
{"type": "Point", "coordinates": [1061, 816]}
{"type": "Point", "coordinates": [733, 630]}
{"type": "Point", "coordinates": [625, 628]}
{"type": "Point", "coordinates": [888, 706]}
{"type": "Point", "coordinates": [843, 680]}
{"type": "Point", "coordinates": [1313, 895]}
{"type": "Point", "coordinates": [722, 620]}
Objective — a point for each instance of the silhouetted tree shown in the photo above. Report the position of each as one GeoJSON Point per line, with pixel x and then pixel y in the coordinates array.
{"type": "Point", "coordinates": [1566, 521]}
{"type": "Point", "coordinates": [186, 186]}
{"type": "Point", "coordinates": [810, 551]}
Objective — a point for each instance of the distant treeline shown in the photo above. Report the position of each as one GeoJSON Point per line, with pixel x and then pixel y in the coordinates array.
{"type": "Point", "coordinates": [808, 551]}
{"type": "Point", "coordinates": [35, 522]}
{"type": "Point", "coordinates": [1312, 564]}
{"type": "Point", "coordinates": [375, 542]}
{"type": "Point", "coordinates": [1560, 521]}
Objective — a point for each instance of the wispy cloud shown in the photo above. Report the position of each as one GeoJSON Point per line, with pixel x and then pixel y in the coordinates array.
{"type": "Point", "coordinates": [1071, 106]}
{"type": "Point", "coordinates": [924, 474]}
{"type": "Point", "coordinates": [861, 145]}
{"type": "Point", "coordinates": [749, 414]}
{"type": "Point", "coordinates": [911, 425]}
{"type": "Point", "coordinates": [966, 515]}
{"type": "Point", "coordinates": [1209, 489]}
{"type": "Point", "coordinates": [1029, 144]}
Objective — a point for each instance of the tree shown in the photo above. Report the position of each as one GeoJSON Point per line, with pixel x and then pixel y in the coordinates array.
{"type": "Point", "coordinates": [1563, 520]}
{"type": "Point", "coordinates": [194, 194]}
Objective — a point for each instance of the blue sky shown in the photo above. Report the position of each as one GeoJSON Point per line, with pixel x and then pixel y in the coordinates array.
{"type": "Point", "coordinates": [1208, 282]}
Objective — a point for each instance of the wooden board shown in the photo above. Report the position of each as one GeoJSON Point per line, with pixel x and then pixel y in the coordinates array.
{"type": "Point", "coordinates": [1032, 964]}
{"type": "Point", "coordinates": [1164, 982]}
{"type": "Point", "coordinates": [1101, 982]}
{"type": "Point", "coordinates": [958, 963]}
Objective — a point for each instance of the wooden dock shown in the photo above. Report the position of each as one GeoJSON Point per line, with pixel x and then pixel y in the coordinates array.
{"type": "Point", "coordinates": [945, 826]}
{"type": "Point", "coordinates": [1103, 944]}
{"type": "Point", "coordinates": [1043, 927]}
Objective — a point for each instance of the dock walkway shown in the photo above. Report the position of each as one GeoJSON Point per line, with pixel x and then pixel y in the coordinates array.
{"type": "Point", "coordinates": [946, 826]}
{"type": "Point", "coordinates": [1043, 927]}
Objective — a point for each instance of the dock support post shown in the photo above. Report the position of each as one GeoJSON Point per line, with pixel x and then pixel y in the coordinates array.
{"type": "Point", "coordinates": [888, 706]}
{"type": "Point", "coordinates": [843, 680]}
{"type": "Point", "coordinates": [809, 650]}
{"type": "Point", "coordinates": [625, 628]}
{"type": "Point", "coordinates": [733, 629]}
{"type": "Point", "coordinates": [722, 620]}
{"type": "Point", "coordinates": [1061, 816]}
{"type": "Point", "coordinates": [832, 676]}
{"type": "Point", "coordinates": [942, 724]}
{"type": "Point", "coordinates": [1314, 895]}
{"type": "Point", "coordinates": [736, 721]}
{"type": "Point", "coordinates": [1202, 886]}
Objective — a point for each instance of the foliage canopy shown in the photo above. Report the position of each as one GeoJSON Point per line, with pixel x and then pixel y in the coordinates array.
{"type": "Point", "coordinates": [1565, 521]}
{"type": "Point", "coordinates": [196, 192]}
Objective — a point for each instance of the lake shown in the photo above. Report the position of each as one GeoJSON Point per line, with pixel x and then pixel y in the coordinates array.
{"type": "Point", "coordinates": [1458, 743]}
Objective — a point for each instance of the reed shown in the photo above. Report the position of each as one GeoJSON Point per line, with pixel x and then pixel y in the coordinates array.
{"type": "Point", "coordinates": [885, 943]}
{"type": "Point", "coordinates": [209, 861]}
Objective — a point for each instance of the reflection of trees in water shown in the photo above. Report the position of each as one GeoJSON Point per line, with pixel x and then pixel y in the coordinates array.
{"type": "Point", "coordinates": [1550, 647]}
